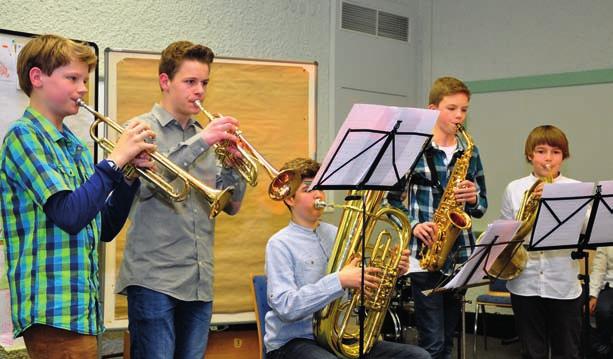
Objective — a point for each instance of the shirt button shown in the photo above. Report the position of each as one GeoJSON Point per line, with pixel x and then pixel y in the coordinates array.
{"type": "Point", "coordinates": [185, 164]}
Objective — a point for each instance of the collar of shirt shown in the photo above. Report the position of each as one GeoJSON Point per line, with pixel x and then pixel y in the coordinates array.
{"type": "Point", "coordinates": [299, 227]}
{"type": "Point", "coordinates": [65, 136]}
{"type": "Point", "coordinates": [460, 146]}
{"type": "Point", "coordinates": [165, 118]}
{"type": "Point", "coordinates": [40, 121]}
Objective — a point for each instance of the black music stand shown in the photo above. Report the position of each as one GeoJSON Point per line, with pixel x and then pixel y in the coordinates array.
{"type": "Point", "coordinates": [561, 213]}
{"type": "Point", "coordinates": [498, 234]}
{"type": "Point", "coordinates": [370, 153]}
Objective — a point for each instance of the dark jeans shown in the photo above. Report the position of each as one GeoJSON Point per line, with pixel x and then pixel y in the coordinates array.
{"type": "Point", "coordinates": [604, 322]}
{"type": "Point", "coordinates": [309, 349]}
{"type": "Point", "coordinates": [163, 327]}
{"type": "Point", "coordinates": [436, 316]}
{"type": "Point", "coordinates": [545, 324]}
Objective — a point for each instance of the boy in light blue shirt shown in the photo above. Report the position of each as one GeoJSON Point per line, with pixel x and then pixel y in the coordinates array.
{"type": "Point", "coordinates": [298, 286]}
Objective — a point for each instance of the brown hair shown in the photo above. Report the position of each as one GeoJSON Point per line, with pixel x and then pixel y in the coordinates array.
{"type": "Point", "coordinates": [48, 52]}
{"type": "Point", "coordinates": [306, 168]}
{"type": "Point", "coordinates": [549, 135]}
{"type": "Point", "coordinates": [446, 86]}
{"type": "Point", "coordinates": [179, 51]}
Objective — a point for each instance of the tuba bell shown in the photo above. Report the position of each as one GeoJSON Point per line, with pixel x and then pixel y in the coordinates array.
{"type": "Point", "coordinates": [334, 326]}
{"type": "Point", "coordinates": [513, 258]}
{"type": "Point", "coordinates": [283, 184]}
{"type": "Point", "coordinates": [216, 198]}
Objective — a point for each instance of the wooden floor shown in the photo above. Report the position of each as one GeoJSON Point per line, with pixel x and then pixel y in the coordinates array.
{"type": "Point", "coordinates": [112, 347]}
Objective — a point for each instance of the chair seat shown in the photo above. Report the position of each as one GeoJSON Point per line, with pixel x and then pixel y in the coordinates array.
{"type": "Point", "coordinates": [494, 299]}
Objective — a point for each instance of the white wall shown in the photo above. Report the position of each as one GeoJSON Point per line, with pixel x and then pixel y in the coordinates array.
{"type": "Point", "coordinates": [494, 39]}
{"type": "Point", "coordinates": [268, 29]}
{"type": "Point", "coordinates": [497, 39]}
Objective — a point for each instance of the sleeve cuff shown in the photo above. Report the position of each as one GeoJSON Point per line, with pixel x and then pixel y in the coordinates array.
{"type": "Point", "coordinates": [333, 283]}
{"type": "Point", "coordinates": [115, 176]}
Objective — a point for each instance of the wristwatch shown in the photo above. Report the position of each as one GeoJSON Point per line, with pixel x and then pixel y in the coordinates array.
{"type": "Point", "coordinates": [113, 165]}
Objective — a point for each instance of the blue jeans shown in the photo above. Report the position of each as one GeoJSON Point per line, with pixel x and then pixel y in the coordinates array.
{"type": "Point", "coordinates": [436, 316]}
{"type": "Point", "coordinates": [163, 327]}
{"type": "Point", "coordinates": [300, 348]}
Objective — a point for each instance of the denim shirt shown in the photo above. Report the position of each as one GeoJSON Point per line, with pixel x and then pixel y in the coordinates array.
{"type": "Point", "coordinates": [298, 286]}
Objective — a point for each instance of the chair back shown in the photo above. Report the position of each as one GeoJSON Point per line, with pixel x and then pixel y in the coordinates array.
{"type": "Point", "coordinates": [258, 286]}
{"type": "Point", "coordinates": [498, 285]}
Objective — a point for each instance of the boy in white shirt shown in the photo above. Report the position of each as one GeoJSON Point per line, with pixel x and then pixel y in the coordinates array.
{"type": "Point", "coordinates": [546, 296]}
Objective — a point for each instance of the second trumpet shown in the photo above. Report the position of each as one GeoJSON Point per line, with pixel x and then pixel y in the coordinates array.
{"type": "Point", "coordinates": [284, 183]}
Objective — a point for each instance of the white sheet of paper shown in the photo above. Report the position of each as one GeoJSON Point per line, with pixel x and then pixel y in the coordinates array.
{"type": "Point", "coordinates": [602, 232]}
{"type": "Point", "coordinates": [502, 230]}
{"type": "Point", "coordinates": [561, 225]}
{"type": "Point", "coordinates": [349, 165]}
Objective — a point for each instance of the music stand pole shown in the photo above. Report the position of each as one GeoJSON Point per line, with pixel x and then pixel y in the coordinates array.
{"type": "Point", "coordinates": [585, 278]}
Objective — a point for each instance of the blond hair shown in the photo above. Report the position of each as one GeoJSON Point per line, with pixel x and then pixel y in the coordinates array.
{"type": "Point", "coordinates": [446, 86]}
{"type": "Point", "coordinates": [48, 52]}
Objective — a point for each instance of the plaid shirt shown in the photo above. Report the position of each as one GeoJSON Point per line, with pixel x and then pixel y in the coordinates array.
{"type": "Point", "coordinates": [52, 275]}
{"type": "Point", "coordinates": [425, 198]}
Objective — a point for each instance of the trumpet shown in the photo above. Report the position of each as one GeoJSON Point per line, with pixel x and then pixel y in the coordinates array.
{"type": "Point", "coordinates": [217, 199]}
{"type": "Point", "coordinates": [284, 183]}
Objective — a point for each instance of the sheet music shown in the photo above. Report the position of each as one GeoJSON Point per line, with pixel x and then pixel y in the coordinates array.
{"type": "Point", "coordinates": [351, 154]}
{"type": "Point", "coordinates": [501, 230]}
{"type": "Point", "coordinates": [561, 216]}
{"type": "Point", "coordinates": [602, 232]}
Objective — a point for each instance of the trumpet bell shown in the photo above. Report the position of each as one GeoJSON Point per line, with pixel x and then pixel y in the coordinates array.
{"type": "Point", "coordinates": [284, 185]}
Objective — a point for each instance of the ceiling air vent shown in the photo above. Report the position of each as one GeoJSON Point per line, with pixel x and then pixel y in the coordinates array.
{"type": "Point", "coordinates": [374, 22]}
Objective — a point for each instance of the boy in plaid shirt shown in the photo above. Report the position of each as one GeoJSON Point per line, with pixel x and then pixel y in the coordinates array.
{"type": "Point", "coordinates": [56, 205]}
{"type": "Point", "coordinates": [437, 315]}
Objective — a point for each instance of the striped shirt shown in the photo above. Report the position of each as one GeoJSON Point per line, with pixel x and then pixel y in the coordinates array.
{"type": "Point", "coordinates": [425, 198]}
{"type": "Point", "coordinates": [52, 275]}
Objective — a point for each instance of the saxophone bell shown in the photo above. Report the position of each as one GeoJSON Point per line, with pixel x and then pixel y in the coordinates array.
{"type": "Point", "coordinates": [449, 217]}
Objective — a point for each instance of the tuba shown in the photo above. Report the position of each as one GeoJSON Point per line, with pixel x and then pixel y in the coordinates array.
{"type": "Point", "coordinates": [513, 258]}
{"type": "Point", "coordinates": [283, 184]}
{"type": "Point", "coordinates": [217, 198]}
{"type": "Point", "coordinates": [335, 326]}
{"type": "Point", "coordinates": [449, 217]}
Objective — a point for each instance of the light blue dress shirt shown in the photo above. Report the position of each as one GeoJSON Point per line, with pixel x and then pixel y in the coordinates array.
{"type": "Point", "coordinates": [296, 261]}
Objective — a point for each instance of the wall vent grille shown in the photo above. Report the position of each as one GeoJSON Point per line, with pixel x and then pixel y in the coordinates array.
{"type": "Point", "coordinates": [374, 22]}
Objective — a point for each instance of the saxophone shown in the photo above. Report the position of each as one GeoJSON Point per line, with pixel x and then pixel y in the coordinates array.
{"type": "Point", "coordinates": [449, 217]}
{"type": "Point", "coordinates": [335, 327]}
{"type": "Point", "coordinates": [513, 258]}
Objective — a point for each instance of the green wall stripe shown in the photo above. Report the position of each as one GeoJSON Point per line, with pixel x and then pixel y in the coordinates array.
{"type": "Point", "coordinates": [579, 78]}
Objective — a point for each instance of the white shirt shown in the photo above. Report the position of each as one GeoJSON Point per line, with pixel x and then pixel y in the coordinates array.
{"type": "Point", "coordinates": [548, 274]}
{"type": "Point", "coordinates": [602, 270]}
